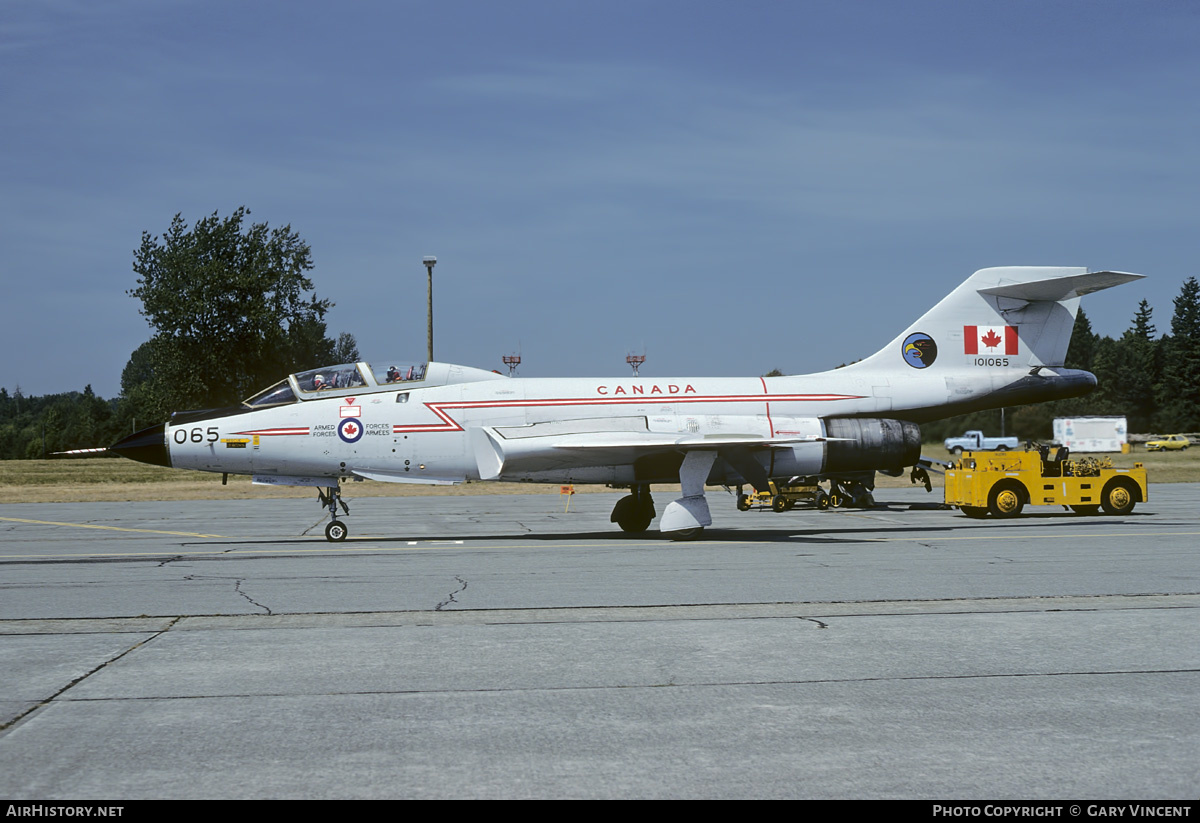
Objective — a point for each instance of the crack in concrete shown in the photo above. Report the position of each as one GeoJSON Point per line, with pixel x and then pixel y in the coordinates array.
{"type": "Point", "coordinates": [451, 598]}
{"type": "Point", "coordinates": [237, 587]}
{"type": "Point", "coordinates": [85, 676]}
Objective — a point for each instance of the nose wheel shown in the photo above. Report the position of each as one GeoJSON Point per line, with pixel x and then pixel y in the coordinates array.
{"type": "Point", "coordinates": [331, 498]}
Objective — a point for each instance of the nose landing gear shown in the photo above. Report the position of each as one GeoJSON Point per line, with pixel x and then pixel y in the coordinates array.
{"type": "Point", "coordinates": [331, 498]}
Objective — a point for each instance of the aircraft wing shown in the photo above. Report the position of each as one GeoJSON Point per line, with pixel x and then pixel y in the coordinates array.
{"type": "Point", "coordinates": [676, 442]}
{"type": "Point", "coordinates": [392, 476]}
{"type": "Point", "coordinates": [495, 454]}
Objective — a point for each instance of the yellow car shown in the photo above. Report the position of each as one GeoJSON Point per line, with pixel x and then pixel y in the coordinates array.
{"type": "Point", "coordinates": [1172, 442]}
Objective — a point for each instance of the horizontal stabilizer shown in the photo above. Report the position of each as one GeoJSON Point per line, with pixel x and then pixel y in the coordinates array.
{"type": "Point", "coordinates": [1062, 288]}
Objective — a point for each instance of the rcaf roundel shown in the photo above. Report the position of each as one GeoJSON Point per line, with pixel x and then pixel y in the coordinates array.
{"type": "Point", "coordinates": [990, 340]}
{"type": "Point", "coordinates": [350, 430]}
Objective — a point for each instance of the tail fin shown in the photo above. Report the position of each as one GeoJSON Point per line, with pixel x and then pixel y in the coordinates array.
{"type": "Point", "coordinates": [1016, 317]}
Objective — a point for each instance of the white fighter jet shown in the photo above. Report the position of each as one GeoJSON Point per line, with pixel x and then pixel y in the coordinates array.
{"type": "Point", "coordinates": [999, 339]}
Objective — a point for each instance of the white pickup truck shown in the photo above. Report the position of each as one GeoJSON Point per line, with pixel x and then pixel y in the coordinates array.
{"type": "Point", "coordinates": [974, 441]}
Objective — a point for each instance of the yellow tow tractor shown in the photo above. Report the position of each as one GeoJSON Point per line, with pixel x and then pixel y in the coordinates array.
{"type": "Point", "coordinates": [1003, 483]}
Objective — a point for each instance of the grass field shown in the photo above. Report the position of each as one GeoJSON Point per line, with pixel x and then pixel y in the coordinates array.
{"type": "Point", "coordinates": [108, 479]}
{"type": "Point", "coordinates": [103, 479]}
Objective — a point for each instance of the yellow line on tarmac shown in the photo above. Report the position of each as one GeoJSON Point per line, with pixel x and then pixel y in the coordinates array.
{"type": "Point", "coordinates": [109, 528]}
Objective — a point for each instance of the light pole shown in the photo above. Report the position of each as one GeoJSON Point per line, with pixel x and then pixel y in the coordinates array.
{"type": "Point", "coordinates": [430, 261]}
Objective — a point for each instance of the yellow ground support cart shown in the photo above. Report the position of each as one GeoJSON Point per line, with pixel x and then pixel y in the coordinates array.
{"type": "Point", "coordinates": [783, 497]}
{"type": "Point", "coordinates": [1003, 483]}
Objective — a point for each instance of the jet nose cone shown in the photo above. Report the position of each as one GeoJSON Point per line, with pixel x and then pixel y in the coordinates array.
{"type": "Point", "coordinates": [147, 446]}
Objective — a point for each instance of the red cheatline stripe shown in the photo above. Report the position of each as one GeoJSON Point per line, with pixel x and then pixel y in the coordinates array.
{"type": "Point", "coordinates": [275, 432]}
{"type": "Point", "coordinates": [449, 424]}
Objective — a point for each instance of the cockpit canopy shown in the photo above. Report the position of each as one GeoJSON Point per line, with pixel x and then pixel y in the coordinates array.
{"type": "Point", "coordinates": [365, 378]}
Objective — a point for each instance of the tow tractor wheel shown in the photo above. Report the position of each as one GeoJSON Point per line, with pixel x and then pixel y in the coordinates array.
{"type": "Point", "coordinates": [743, 502]}
{"type": "Point", "coordinates": [779, 503]}
{"type": "Point", "coordinates": [1007, 499]}
{"type": "Point", "coordinates": [822, 501]}
{"type": "Point", "coordinates": [336, 531]}
{"type": "Point", "coordinates": [1118, 497]}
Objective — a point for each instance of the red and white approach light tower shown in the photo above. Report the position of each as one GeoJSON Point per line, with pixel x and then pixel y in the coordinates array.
{"type": "Point", "coordinates": [634, 361]}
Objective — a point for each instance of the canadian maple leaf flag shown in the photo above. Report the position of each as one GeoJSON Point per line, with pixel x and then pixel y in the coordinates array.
{"type": "Point", "coordinates": [989, 339]}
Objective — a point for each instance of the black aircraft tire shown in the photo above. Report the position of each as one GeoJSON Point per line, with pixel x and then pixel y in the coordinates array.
{"type": "Point", "coordinates": [743, 503]}
{"type": "Point", "coordinates": [630, 516]}
{"type": "Point", "coordinates": [336, 531]}
{"type": "Point", "coordinates": [637, 521]}
{"type": "Point", "coordinates": [1119, 497]}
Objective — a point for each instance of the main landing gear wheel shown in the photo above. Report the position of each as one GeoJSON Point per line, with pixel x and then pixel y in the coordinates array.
{"type": "Point", "coordinates": [336, 531]}
{"type": "Point", "coordinates": [635, 512]}
{"type": "Point", "coordinates": [743, 502]}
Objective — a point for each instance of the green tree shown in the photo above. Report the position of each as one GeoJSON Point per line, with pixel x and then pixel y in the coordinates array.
{"type": "Point", "coordinates": [346, 349]}
{"type": "Point", "coordinates": [1081, 352]}
{"type": "Point", "coordinates": [1128, 372]}
{"type": "Point", "coordinates": [1179, 391]}
{"type": "Point", "coordinates": [233, 311]}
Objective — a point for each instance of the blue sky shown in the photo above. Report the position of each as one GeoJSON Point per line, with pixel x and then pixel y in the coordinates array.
{"type": "Point", "coordinates": [730, 186]}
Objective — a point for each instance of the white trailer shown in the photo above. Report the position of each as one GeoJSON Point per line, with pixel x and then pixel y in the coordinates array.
{"type": "Point", "coordinates": [1091, 434]}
